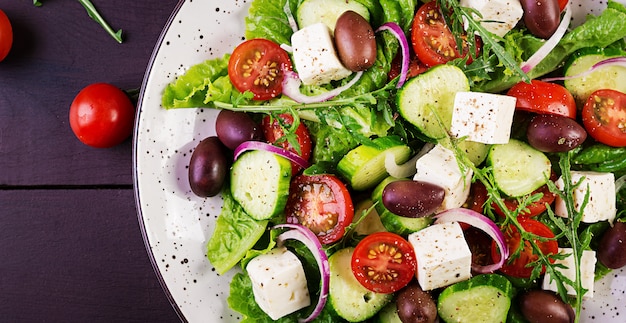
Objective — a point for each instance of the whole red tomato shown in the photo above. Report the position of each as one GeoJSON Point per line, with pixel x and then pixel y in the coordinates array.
{"type": "Point", "coordinates": [6, 35]}
{"type": "Point", "coordinates": [102, 115]}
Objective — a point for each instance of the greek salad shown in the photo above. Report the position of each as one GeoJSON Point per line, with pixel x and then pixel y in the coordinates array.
{"type": "Point", "coordinates": [407, 161]}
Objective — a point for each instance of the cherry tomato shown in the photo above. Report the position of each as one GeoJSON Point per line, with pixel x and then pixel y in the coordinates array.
{"type": "Point", "coordinates": [102, 115]}
{"type": "Point", "coordinates": [604, 117]}
{"type": "Point", "coordinates": [431, 38]}
{"type": "Point", "coordinates": [273, 129]}
{"type": "Point", "coordinates": [6, 35]}
{"type": "Point", "coordinates": [534, 208]}
{"type": "Point", "coordinates": [384, 262]}
{"type": "Point", "coordinates": [544, 97]}
{"type": "Point", "coordinates": [516, 267]}
{"type": "Point", "coordinates": [321, 203]}
{"type": "Point", "coordinates": [562, 4]}
{"type": "Point", "coordinates": [257, 65]}
{"type": "Point", "coordinates": [415, 67]}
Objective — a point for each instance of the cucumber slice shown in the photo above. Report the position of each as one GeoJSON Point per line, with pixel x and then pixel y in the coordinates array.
{"type": "Point", "coordinates": [260, 183]}
{"type": "Point", "coordinates": [518, 168]}
{"type": "Point", "coordinates": [483, 298]}
{"type": "Point", "coordinates": [607, 77]}
{"type": "Point", "coordinates": [327, 11]}
{"type": "Point", "coordinates": [392, 222]}
{"type": "Point", "coordinates": [475, 151]}
{"type": "Point", "coordinates": [389, 314]}
{"type": "Point", "coordinates": [347, 297]}
{"type": "Point", "coordinates": [428, 98]}
{"type": "Point", "coordinates": [364, 166]}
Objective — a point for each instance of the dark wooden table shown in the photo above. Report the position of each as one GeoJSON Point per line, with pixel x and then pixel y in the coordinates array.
{"type": "Point", "coordinates": [71, 248]}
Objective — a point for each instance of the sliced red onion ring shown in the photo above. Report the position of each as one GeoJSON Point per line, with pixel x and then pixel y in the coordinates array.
{"type": "Point", "coordinates": [397, 32]}
{"type": "Point", "coordinates": [483, 223]}
{"type": "Point", "coordinates": [259, 145]}
{"type": "Point", "coordinates": [549, 45]}
{"type": "Point", "coordinates": [619, 61]}
{"type": "Point", "coordinates": [408, 168]}
{"type": "Point", "coordinates": [291, 88]}
{"type": "Point", "coordinates": [310, 240]}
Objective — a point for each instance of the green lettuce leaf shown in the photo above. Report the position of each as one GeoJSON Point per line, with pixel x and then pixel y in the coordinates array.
{"type": "Point", "coordinates": [267, 19]}
{"type": "Point", "coordinates": [235, 233]}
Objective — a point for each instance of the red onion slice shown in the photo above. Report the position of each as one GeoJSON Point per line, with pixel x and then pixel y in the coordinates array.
{"type": "Point", "coordinates": [310, 240]}
{"type": "Point", "coordinates": [549, 45]}
{"type": "Point", "coordinates": [397, 32]}
{"type": "Point", "coordinates": [291, 88]}
{"type": "Point", "coordinates": [259, 145]}
{"type": "Point", "coordinates": [483, 223]}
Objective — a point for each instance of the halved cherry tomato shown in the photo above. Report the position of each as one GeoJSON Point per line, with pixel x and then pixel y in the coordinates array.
{"type": "Point", "coordinates": [517, 267]}
{"type": "Point", "coordinates": [384, 262]}
{"type": "Point", "coordinates": [257, 65]}
{"type": "Point", "coordinates": [604, 117]}
{"type": "Point", "coordinates": [432, 39]}
{"type": "Point", "coordinates": [534, 208]}
{"type": "Point", "coordinates": [415, 67]}
{"type": "Point", "coordinates": [562, 4]}
{"type": "Point", "coordinates": [543, 97]}
{"type": "Point", "coordinates": [321, 203]}
{"type": "Point", "coordinates": [6, 35]}
{"type": "Point", "coordinates": [274, 133]}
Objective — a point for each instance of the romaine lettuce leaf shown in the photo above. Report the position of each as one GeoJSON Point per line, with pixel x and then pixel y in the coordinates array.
{"type": "Point", "coordinates": [235, 233]}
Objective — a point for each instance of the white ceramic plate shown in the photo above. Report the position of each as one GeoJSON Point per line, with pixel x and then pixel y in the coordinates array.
{"type": "Point", "coordinates": [176, 224]}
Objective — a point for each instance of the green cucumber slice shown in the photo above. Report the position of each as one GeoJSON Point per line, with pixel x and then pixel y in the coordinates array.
{"type": "Point", "coordinates": [608, 77]}
{"type": "Point", "coordinates": [364, 166]}
{"type": "Point", "coordinates": [518, 168]}
{"type": "Point", "coordinates": [347, 297]}
{"type": "Point", "coordinates": [428, 99]}
{"type": "Point", "coordinates": [483, 298]}
{"type": "Point", "coordinates": [260, 183]}
{"type": "Point", "coordinates": [327, 11]}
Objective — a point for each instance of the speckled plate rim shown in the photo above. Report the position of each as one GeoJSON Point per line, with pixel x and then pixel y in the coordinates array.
{"type": "Point", "coordinates": [176, 224]}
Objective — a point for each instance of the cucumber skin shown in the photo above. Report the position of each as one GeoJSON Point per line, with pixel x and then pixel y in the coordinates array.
{"type": "Point", "coordinates": [473, 293]}
{"type": "Point", "coordinates": [425, 91]}
{"type": "Point", "coordinates": [347, 297]}
{"type": "Point", "coordinates": [240, 192]}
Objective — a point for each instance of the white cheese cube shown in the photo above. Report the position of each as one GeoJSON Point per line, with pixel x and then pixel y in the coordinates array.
{"type": "Point", "coordinates": [440, 167]}
{"type": "Point", "coordinates": [499, 16]}
{"type": "Point", "coordinates": [278, 283]}
{"type": "Point", "coordinates": [483, 117]}
{"type": "Point", "coordinates": [442, 254]}
{"type": "Point", "coordinates": [314, 55]}
{"type": "Point", "coordinates": [601, 205]}
{"type": "Point", "coordinates": [587, 268]}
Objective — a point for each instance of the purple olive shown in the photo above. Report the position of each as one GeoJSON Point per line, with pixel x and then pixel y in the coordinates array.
{"type": "Point", "coordinates": [415, 305]}
{"type": "Point", "coordinates": [208, 167]}
{"type": "Point", "coordinates": [541, 17]}
{"type": "Point", "coordinates": [413, 199]}
{"type": "Point", "coordinates": [355, 41]}
{"type": "Point", "coordinates": [234, 127]}
{"type": "Point", "coordinates": [555, 133]}
{"type": "Point", "coordinates": [540, 306]}
{"type": "Point", "coordinates": [612, 249]}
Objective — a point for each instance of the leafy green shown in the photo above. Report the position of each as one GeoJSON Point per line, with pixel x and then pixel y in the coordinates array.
{"type": "Point", "coordinates": [600, 31]}
{"type": "Point", "coordinates": [267, 19]}
{"type": "Point", "coordinates": [235, 233]}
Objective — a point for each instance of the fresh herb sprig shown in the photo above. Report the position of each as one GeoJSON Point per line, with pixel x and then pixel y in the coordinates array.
{"type": "Point", "coordinates": [96, 16]}
{"type": "Point", "coordinates": [464, 21]}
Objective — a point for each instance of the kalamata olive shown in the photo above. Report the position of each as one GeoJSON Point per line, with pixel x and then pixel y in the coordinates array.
{"type": "Point", "coordinates": [612, 249]}
{"type": "Point", "coordinates": [355, 41]}
{"type": "Point", "coordinates": [541, 17]}
{"type": "Point", "coordinates": [412, 199]}
{"type": "Point", "coordinates": [540, 306]}
{"type": "Point", "coordinates": [554, 133]}
{"type": "Point", "coordinates": [415, 305]}
{"type": "Point", "coordinates": [234, 127]}
{"type": "Point", "coordinates": [208, 167]}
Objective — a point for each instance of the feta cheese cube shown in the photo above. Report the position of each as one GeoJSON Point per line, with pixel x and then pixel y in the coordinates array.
{"type": "Point", "coordinates": [587, 268]}
{"type": "Point", "coordinates": [499, 16]}
{"type": "Point", "coordinates": [279, 284]}
{"type": "Point", "coordinates": [442, 254]}
{"type": "Point", "coordinates": [315, 57]}
{"type": "Point", "coordinates": [483, 117]}
{"type": "Point", "coordinates": [440, 167]}
{"type": "Point", "coordinates": [601, 205]}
